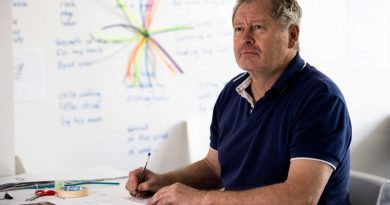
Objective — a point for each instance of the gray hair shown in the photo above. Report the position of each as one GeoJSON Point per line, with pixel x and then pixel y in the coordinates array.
{"type": "Point", "coordinates": [287, 12]}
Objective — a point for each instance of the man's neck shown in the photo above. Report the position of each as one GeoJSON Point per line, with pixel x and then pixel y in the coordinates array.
{"type": "Point", "coordinates": [262, 82]}
{"type": "Point", "coordinates": [261, 85]}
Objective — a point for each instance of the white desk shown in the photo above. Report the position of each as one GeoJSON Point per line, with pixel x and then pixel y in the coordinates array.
{"type": "Point", "coordinates": [98, 194]}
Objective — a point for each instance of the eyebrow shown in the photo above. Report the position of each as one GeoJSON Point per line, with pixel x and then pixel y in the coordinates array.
{"type": "Point", "coordinates": [239, 22]}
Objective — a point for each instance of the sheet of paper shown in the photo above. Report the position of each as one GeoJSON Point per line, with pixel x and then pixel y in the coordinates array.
{"type": "Point", "coordinates": [100, 194]}
{"type": "Point", "coordinates": [106, 197]}
{"type": "Point", "coordinates": [29, 75]}
{"type": "Point", "coordinates": [99, 200]}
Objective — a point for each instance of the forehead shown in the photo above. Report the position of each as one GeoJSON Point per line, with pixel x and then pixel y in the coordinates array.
{"type": "Point", "coordinates": [254, 9]}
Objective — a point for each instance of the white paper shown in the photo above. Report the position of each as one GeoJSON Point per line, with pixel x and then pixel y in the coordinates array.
{"type": "Point", "coordinates": [102, 195]}
{"type": "Point", "coordinates": [29, 75]}
{"type": "Point", "coordinates": [97, 193]}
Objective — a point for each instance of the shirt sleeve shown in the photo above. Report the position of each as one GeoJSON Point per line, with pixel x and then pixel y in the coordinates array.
{"type": "Point", "coordinates": [322, 131]}
{"type": "Point", "coordinates": [214, 136]}
{"type": "Point", "coordinates": [218, 107]}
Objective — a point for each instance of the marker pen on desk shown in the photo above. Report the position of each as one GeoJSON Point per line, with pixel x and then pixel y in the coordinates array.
{"type": "Point", "coordinates": [93, 182]}
{"type": "Point", "coordinates": [141, 178]}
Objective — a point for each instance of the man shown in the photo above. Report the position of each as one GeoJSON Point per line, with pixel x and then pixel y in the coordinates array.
{"type": "Point", "coordinates": [280, 132]}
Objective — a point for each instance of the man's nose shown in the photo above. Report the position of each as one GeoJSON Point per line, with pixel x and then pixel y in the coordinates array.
{"type": "Point", "coordinates": [248, 37]}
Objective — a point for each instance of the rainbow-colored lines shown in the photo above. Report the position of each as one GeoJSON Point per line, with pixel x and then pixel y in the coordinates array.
{"type": "Point", "coordinates": [146, 46]}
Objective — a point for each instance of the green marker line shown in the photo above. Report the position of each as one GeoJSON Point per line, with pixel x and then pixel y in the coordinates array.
{"type": "Point", "coordinates": [130, 16]}
{"type": "Point", "coordinates": [107, 38]}
{"type": "Point", "coordinates": [167, 29]}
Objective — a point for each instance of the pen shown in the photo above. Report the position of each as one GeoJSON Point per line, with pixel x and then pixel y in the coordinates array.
{"type": "Point", "coordinates": [93, 182]}
{"type": "Point", "coordinates": [51, 184]}
{"type": "Point", "coordinates": [141, 178]}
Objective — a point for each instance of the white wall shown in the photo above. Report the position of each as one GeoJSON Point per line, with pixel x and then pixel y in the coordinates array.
{"type": "Point", "coordinates": [7, 162]}
{"type": "Point", "coordinates": [349, 40]}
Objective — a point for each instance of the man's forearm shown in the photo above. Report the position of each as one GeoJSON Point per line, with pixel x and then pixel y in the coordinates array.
{"type": "Point", "coordinates": [199, 175]}
{"type": "Point", "coordinates": [273, 194]}
{"type": "Point", "coordinates": [305, 183]}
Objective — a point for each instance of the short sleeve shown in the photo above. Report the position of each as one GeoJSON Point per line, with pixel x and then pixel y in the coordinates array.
{"type": "Point", "coordinates": [214, 136]}
{"type": "Point", "coordinates": [217, 110]}
{"type": "Point", "coordinates": [322, 131]}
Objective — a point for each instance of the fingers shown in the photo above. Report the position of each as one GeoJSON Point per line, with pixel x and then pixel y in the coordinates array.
{"type": "Point", "coordinates": [163, 196]}
{"type": "Point", "coordinates": [142, 187]}
{"type": "Point", "coordinates": [131, 191]}
{"type": "Point", "coordinates": [132, 182]}
{"type": "Point", "coordinates": [177, 194]}
{"type": "Point", "coordinates": [156, 198]}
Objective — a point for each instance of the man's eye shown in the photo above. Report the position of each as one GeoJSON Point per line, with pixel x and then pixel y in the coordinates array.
{"type": "Point", "coordinates": [258, 27]}
{"type": "Point", "coordinates": [238, 29]}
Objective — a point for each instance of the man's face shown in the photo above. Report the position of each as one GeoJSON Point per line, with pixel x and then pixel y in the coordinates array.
{"type": "Point", "coordinates": [261, 44]}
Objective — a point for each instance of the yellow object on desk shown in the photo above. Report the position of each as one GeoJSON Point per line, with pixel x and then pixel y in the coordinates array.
{"type": "Point", "coordinates": [72, 192]}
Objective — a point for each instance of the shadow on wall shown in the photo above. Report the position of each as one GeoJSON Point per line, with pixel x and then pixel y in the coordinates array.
{"type": "Point", "coordinates": [19, 168]}
{"type": "Point", "coordinates": [174, 152]}
{"type": "Point", "coordinates": [373, 154]}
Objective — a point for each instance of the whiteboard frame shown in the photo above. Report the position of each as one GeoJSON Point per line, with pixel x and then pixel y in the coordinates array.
{"type": "Point", "coordinates": [7, 159]}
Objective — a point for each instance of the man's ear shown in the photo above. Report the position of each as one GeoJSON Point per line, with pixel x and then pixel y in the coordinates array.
{"type": "Point", "coordinates": [294, 35]}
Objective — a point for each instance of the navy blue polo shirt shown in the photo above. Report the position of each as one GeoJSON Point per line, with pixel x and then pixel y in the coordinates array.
{"type": "Point", "coordinates": [303, 116]}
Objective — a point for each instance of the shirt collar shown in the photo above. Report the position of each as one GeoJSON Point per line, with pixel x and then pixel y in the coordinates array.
{"type": "Point", "coordinates": [288, 75]}
{"type": "Point", "coordinates": [293, 68]}
{"type": "Point", "coordinates": [241, 89]}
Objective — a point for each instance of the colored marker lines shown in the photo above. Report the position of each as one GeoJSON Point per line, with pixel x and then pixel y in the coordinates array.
{"type": "Point", "coordinates": [146, 49]}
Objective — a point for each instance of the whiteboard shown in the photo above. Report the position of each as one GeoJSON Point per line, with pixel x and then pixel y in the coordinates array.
{"type": "Point", "coordinates": [73, 107]}
{"type": "Point", "coordinates": [7, 159]}
{"type": "Point", "coordinates": [77, 107]}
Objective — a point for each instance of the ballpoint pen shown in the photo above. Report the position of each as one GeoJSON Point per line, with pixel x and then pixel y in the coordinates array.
{"type": "Point", "coordinates": [141, 178]}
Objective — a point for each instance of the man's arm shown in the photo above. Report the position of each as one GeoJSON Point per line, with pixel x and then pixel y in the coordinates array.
{"type": "Point", "coordinates": [304, 185]}
{"type": "Point", "coordinates": [203, 174]}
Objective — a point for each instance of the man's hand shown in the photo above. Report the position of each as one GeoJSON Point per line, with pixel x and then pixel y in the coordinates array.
{"type": "Point", "coordinates": [177, 194]}
{"type": "Point", "coordinates": [203, 174]}
{"type": "Point", "coordinates": [151, 183]}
